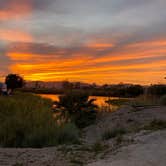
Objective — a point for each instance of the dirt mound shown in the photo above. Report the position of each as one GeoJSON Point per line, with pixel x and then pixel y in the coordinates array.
{"type": "Point", "coordinates": [127, 118]}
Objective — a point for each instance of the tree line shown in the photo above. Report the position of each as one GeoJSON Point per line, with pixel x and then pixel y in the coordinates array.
{"type": "Point", "coordinates": [14, 81]}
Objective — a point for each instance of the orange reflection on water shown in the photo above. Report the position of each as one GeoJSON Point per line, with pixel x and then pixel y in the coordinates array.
{"type": "Point", "coordinates": [100, 100]}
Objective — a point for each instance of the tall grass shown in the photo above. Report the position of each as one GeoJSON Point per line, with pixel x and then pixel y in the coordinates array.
{"type": "Point", "coordinates": [163, 100]}
{"type": "Point", "coordinates": [145, 100]}
{"type": "Point", "coordinates": [27, 121]}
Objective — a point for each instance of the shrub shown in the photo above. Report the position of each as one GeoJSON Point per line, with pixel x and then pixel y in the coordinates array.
{"type": "Point", "coordinates": [144, 100]}
{"type": "Point", "coordinates": [118, 102]}
{"type": "Point", "coordinates": [108, 134]}
{"type": "Point", "coordinates": [27, 121]}
{"type": "Point", "coordinates": [85, 118]}
{"type": "Point", "coordinates": [134, 90]}
{"type": "Point", "coordinates": [157, 90]}
{"type": "Point", "coordinates": [77, 107]}
{"type": "Point", "coordinates": [98, 147]}
{"type": "Point", "coordinates": [163, 100]}
{"type": "Point", "coordinates": [68, 134]}
{"type": "Point", "coordinates": [156, 125]}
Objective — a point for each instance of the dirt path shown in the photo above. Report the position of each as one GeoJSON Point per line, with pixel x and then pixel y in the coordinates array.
{"type": "Point", "coordinates": [149, 151]}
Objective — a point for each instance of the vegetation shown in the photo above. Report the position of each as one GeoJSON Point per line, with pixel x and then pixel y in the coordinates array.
{"type": "Point", "coordinates": [163, 100]}
{"type": "Point", "coordinates": [118, 90]}
{"type": "Point", "coordinates": [14, 81]}
{"type": "Point", "coordinates": [42, 90]}
{"type": "Point", "coordinates": [98, 147]}
{"type": "Point", "coordinates": [27, 121]}
{"type": "Point", "coordinates": [144, 100]}
{"type": "Point", "coordinates": [118, 102]}
{"type": "Point", "coordinates": [157, 90]}
{"type": "Point", "coordinates": [77, 107]}
{"type": "Point", "coordinates": [108, 134]}
{"type": "Point", "coordinates": [156, 125]}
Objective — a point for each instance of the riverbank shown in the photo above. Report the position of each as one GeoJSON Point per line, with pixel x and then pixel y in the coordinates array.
{"type": "Point", "coordinates": [124, 92]}
{"type": "Point", "coordinates": [142, 142]}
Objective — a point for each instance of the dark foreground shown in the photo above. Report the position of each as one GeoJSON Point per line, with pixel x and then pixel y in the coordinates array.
{"type": "Point", "coordinates": [142, 143]}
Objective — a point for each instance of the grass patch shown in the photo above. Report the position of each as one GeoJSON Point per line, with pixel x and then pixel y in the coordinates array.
{"type": "Point", "coordinates": [27, 121]}
{"type": "Point", "coordinates": [18, 164]}
{"type": "Point", "coordinates": [76, 162]}
{"type": "Point", "coordinates": [108, 134]}
{"type": "Point", "coordinates": [163, 100]}
{"type": "Point", "coordinates": [144, 100]}
{"type": "Point", "coordinates": [156, 125]}
{"type": "Point", "coordinates": [118, 102]}
{"type": "Point", "coordinates": [98, 147]}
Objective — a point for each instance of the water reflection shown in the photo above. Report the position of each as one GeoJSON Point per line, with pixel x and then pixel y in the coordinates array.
{"type": "Point", "coordinates": [53, 97]}
{"type": "Point", "coordinates": [100, 101]}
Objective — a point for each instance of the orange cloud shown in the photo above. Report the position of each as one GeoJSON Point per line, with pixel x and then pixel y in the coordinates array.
{"type": "Point", "coordinates": [19, 56]}
{"type": "Point", "coordinates": [16, 9]}
{"type": "Point", "coordinates": [100, 45]}
{"type": "Point", "coordinates": [15, 35]}
{"type": "Point", "coordinates": [136, 65]}
{"type": "Point", "coordinates": [51, 71]}
{"type": "Point", "coordinates": [154, 43]}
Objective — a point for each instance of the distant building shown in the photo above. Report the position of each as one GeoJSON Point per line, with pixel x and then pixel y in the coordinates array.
{"type": "Point", "coordinates": [55, 84]}
{"type": "Point", "coordinates": [41, 84]}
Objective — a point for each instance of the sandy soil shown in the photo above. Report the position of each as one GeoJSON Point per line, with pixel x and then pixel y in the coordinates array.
{"type": "Point", "coordinates": [126, 117]}
{"type": "Point", "coordinates": [150, 150]}
{"type": "Point", "coordinates": [31, 157]}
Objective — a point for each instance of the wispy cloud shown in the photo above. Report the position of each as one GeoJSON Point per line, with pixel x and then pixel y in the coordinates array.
{"type": "Point", "coordinates": [94, 41]}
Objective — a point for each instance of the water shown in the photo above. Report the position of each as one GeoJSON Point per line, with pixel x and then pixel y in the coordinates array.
{"type": "Point", "coordinates": [100, 100]}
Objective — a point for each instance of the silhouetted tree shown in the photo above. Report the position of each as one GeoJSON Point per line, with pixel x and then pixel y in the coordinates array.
{"type": "Point", "coordinates": [77, 85]}
{"type": "Point", "coordinates": [67, 85]}
{"type": "Point", "coordinates": [14, 81]}
{"type": "Point", "coordinates": [37, 84]}
{"type": "Point", "coordinates": [105, 86]}
{"type": "Point", "coordinates": [134, 90]}
{"type": "Point", "coordinates": [157, 90]}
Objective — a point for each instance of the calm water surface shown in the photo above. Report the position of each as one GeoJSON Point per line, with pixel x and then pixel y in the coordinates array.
{"type": "Point", "coordinates": [100, 100]}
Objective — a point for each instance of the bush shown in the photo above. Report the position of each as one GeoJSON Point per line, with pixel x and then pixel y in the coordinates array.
{"type": "Point", "coordinates": [27, 121]}
{"type": "Point", "coordinates": [118, 102]}
{"type": "Point", "coordinates": [163, 100]}
{"type": "Point", "coordinates": [156, 125]}
{"type": "Point", "coordinates": [78, 108]}
{"type": "Point", "coordinates": [144, 100]}
{"type": "Point", "coordinates": [68, 134]}
{"type": "Point", "coordinates": [157, 90]}
{"type": "Point", "coordinates": [98, 147]}
{"type": "Point", "coordinates": [108, 134]}
{"type": "Point", "coordinates": [134, 90]}
{"type": "Point", "coordinates": [85, 118]}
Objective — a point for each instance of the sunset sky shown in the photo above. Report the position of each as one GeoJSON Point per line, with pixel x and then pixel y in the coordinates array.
{"type": "Point", "coordinates": [102, 41]}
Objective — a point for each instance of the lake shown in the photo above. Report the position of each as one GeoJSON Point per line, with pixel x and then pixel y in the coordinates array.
{"type": "Point", "coordinates": [100, 100]}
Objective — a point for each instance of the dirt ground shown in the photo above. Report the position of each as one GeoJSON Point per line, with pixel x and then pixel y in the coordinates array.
{"type": "Point", "coordinates": [150, 150]}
